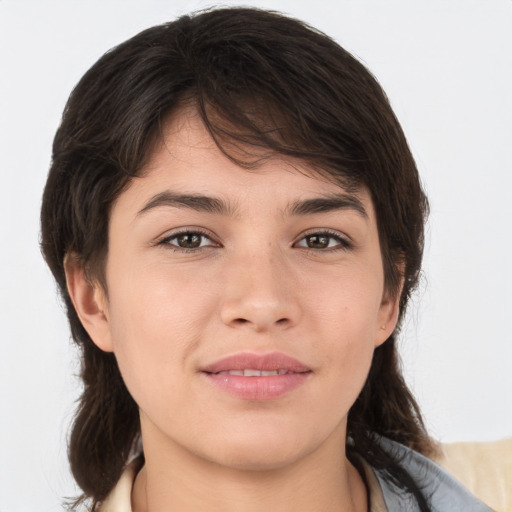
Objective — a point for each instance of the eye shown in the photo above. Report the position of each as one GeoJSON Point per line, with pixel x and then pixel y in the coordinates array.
{"type": "Point", "coordinates": [323, 241]}
{"type": "Point", "coordinates": [188, 240]}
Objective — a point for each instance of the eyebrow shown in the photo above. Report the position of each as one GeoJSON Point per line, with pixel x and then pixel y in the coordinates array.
{"type": "Point", "coordinates": [328, 203]}
{"type": "Point", "coordinates": [201, 203]}
{"type": "Point", "coordinates": [195, 202]}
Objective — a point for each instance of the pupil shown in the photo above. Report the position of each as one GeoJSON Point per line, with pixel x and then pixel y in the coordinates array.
{"type": "Point", "coordinates": [189, 241]}
{"type": "Point", "coordinates": [318, 241]}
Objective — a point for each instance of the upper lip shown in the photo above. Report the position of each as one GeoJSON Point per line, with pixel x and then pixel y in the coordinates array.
{"type": "Point", "coordinates": [263, 362]}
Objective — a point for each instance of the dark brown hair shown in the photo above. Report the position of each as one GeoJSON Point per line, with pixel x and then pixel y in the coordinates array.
{"type": "Point", "coordinates": [262, 81]}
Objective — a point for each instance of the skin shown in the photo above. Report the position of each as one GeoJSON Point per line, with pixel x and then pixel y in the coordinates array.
{"type": "Point", "coordinates": [262, 279]}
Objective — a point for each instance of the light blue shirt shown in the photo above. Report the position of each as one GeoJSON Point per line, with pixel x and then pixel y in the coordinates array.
{"type": "Point", "coordinates": [443, 492]}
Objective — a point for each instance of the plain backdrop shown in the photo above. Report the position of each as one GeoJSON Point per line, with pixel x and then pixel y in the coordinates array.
{"type": "Point", "coordinates": [446, 66]}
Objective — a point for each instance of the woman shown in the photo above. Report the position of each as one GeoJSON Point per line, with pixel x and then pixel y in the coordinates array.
{"type": "Point", "coordinates": [235, 222]}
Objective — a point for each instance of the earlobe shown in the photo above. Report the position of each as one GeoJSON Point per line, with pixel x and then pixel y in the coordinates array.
{"type": "Point", "coordinates": [388, 317]}
{"type": "Point", "coordinates": [89, 301]}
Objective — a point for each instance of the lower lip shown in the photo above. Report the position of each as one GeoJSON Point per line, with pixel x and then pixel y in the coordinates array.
{"type": "Point", "coordinates": [258, 388]}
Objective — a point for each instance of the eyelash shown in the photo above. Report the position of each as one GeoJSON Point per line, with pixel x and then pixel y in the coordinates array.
{"type": "Point", "coordinates": [342, 243]}
{"type": "Point", "coordinates": [166, 241]}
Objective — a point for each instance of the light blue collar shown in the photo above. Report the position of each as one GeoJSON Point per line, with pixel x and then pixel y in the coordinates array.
{"type": "Point", "coordinates": [443, 492]}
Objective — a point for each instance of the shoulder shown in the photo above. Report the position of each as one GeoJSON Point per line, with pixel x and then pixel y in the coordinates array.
{"type": "Point", "coordinates": [473, 463]}
{"type": "Point", "coordinates": [443, 491]}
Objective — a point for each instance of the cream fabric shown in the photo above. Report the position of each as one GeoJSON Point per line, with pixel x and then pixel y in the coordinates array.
{"type": "Point", "coordinates": [119, 499]}
{"type": "Point", "coordinates": [374, 490]}
{"type": "Point", "coordinates": [484, 468]}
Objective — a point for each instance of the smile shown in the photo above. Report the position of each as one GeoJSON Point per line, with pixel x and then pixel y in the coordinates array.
{"type": "Point", "coordinates": [254, 373]}
{"type": "Point", "coordinates": [257, 377]}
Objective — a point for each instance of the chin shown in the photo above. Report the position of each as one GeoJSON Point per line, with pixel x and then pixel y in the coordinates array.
{"type": "Point", "coordinates": [258, 460]}
{"type": "Point", "coordinates": [261, 452]}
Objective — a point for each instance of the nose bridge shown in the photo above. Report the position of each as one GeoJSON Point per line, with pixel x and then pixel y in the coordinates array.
{"type": "Point", "coordinates": [258, 291]}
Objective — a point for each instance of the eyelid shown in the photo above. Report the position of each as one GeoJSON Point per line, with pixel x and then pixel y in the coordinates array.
{"type": "Point", "coordinates": [345, 242]}
{"type": "Point", "coordinates": [164, 239]}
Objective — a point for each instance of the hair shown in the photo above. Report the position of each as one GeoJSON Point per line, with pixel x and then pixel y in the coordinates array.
{"type": "Point", "coordinates": [263, 84]}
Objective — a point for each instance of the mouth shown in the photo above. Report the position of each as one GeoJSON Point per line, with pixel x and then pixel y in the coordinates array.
{"type": "Point", "coordinates": [257, 377]}
{"type": "Point", "coordinates": [253, 373]}
{"type": "Point", "coordinates": [257, 365]}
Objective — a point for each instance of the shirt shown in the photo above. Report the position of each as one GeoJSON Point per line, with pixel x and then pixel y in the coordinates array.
{"type": "Point", "coordinates": [444, 493]}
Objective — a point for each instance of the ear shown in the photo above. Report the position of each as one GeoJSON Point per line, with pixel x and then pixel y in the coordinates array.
{"type": "Point", "coordinates": [90, 302]}
{"type": "Point", "coordinates": [388, 315]}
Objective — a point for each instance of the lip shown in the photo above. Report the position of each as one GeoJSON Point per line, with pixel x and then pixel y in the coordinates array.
{"type": "Point", "coordinates": [292, 373]}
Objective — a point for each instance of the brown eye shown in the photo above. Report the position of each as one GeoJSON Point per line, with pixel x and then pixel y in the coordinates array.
{"type": "Point", "coordinates": [317, 241]}
{"type": "Point", "coordinates": [188, 240]}
{"type": "Point", "coordinates": [322, 241]}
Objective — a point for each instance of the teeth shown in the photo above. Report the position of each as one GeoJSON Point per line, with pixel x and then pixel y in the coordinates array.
{"type": "Point", "coordinates": [254, 373]}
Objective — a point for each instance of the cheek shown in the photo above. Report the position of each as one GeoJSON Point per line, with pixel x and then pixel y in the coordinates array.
{"type": "Point", "coordinates": [346, 322]}
{"type": "Point", "coordinates": [155, 324]}
{"type": "Point", "coordinates": [349, 302]}
{"type": "Point", "coordinates": [156, 302]}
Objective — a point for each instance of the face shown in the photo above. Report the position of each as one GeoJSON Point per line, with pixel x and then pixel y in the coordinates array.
{"type": "Point", "coordinates": [243, 306]}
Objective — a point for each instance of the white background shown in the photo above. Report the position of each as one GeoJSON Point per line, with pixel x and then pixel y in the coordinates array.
{"type": "Point", "coordinates": [446, 66]}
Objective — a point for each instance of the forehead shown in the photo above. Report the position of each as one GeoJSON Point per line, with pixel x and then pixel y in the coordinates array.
{"type": "Point", "coordinates": [186, 161]}
{"type": "Point", "coordinates": [186, 139]}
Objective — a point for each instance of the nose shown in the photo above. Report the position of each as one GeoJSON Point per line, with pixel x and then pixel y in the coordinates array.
{"type": "Point", "coordinates": [260, 293]}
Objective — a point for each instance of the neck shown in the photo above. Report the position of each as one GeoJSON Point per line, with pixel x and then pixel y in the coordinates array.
{"type": "Point", "coordinates": [176, 480]}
